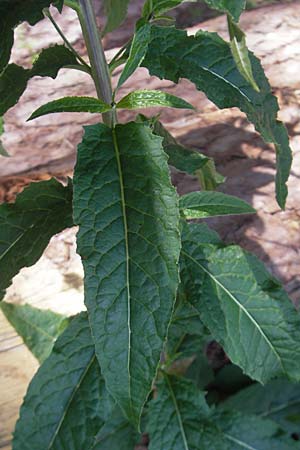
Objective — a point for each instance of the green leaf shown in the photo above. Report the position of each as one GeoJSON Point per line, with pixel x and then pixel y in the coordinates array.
{"type": "Point", "coordinates": [251, 317]}
{"type": "Point", "coordinates": [13, 82]}
{"type": "Point", "coordinates": [240, 52]}
{"type": "Point", "coordinates": [150, 98]}
{"type": "Point", "coordinates": [13, 12]}
{"type": "Point", "coordinates": [208, 203]}
{"type": "Point", "coordinates": [116, 433]}
{"type": "Point", "coordinates": [180, 419]}
{"type": "Point", "coordinates": [137, 53]}
{"type": "Point", "coordinates": [278, 400]}
{"type": "Point", "coordinates": [208, 176]}
{"type": "Point", "coordinates": [207, 61]}
{"type": "Point", "coordinates": [14, 79]}
{"type": "Point", "coordinates": [128, 238]}
{"type": "Point", "coordinates": [37, 327]}
{"type": "Point", "coordinates": [66, 403]}
{"type": "Point", "coordinates": [26, 226]}
{"type": "Point", "coordinates": [116, 11]}
{"type": "Point", "coordinates": [232, 7]}
{"type": "Point", "coordinates": [51, 60]}
{"type": "Point", "coordinates": [180, 157]}
{"type": "Point", "coordinates": [71, 104]}
{"type": "Point", "coordinates": [157, 7]}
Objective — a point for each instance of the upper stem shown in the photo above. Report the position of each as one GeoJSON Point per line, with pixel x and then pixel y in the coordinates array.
{"type": "Point", "coordinates": [97, 58]}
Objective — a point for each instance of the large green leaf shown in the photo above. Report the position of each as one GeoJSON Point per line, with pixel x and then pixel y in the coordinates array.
{"type": "Point", "coordinates": [71, 104]}
{"type": "Point", "coordinates": [128, 238]}
{"type": "Point", "coordinates": [26, 226]}
{"type": "Point", "coordinates": [250, 315]}
{"type": "Point", "coordinates": [116, 11]}
{"type": "Point", "coordinates": [149, 98]}
{"type": "Point", "coordinates": [278, 400]}
{"type": "Point", "coordinates": [207, 61]}
{"type": "Point", "coordinates": [138, 50]}
{"type": "Point", "coordinates": [66, 403]}
{"type": "Point", "coordinates": [208, 203]}
{"type": "Point", "coordinates": [38, 328]}
{"type": "Point", "coordinates": [180, 419]}
{"type": "Point", "coordinates": [12, 12]}
{"type": "Point", "coordinates": [233, 7]}
{"type": "Point", "coordinates": [14, 79]}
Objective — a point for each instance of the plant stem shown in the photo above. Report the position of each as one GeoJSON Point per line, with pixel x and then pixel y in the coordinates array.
{"type": "Point", "coordinates": [100, 71]}
{"type": "Point", "coordinates": [64, 38]}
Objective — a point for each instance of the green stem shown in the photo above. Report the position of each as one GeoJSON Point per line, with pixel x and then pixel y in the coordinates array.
{"type": "Point", "coordinates": [64, 38]}
{"type": "Point", "coordinates": [100, 71]}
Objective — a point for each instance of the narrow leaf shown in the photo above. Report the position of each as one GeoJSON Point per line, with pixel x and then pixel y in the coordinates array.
{"type": "Point", "coordinates": [207, 61]}
{"type": "Point", "coordinates": [278, 400]}
{"type": "Point", "coordinates": [38, 328]}
{"type": "Point", "coordinates": [180, 419]}
{"type": "Point", "coordinates": [208, 203]}
{"type": "Point", "coordinates": [250, 315]}
{"type": "Point", "coordinates": [14, 79]}
{"type": "Point", "coordinates": [66, 403]}
{"type": "Point", "coordinates": [26, 226]}
{"type": "Point", "coordinates": [116, 11]}
{"type": "Point", "coordinates": [137, 52]}
{"type": "Point", "coordinates": [128, 239]}
{"type": "Point", "coordinates": [148, 98]}
{"type": "Point", "coordinates": [232, 7]}
{"type": "Point", "coordinates": [71, 104]}
{"type": "Point", "coordinates": [240, 52]}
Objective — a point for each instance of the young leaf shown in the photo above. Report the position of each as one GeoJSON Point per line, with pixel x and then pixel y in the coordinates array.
{"type": "Point", "coordinates": [116, 11]}
{"type": "Point", "coordinates": [38, 328]}
{"type": "Point", "coordinates": [240, 52]}
{"type": "Point", "coordinates": [179, 418]}
{"type": "Point", "coordinates": [26, 226]}
{"type": "Point", "coordinates": [66, 403]}
{"type": "Point", "coordinates": [14, 79]}
{"type": "Point", "coordinates": [71, 104]}
{"type": "Point", "coordinates": [137, 52]}
{"type": "Point", "coordinates": [208, 203]}
{"type": "Point", "coordinates": [208, 176]}
{"type": "Point", "coordinates": [279, 400]}
{"type": "Point", "coordinates": [206, 60]}
{"type": "Point", "coordinates": [148, 98]}
{"type": "Point", "coordinates": [128, 238]}
{"type": "Point", "coordinates": [250, 316]}
{"type": "Point", "coordinates": [232, 7]}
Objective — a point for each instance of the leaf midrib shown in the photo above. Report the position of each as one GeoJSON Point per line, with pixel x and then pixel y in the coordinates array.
{"type": "Point", "coordinates": [123, 204]}
{"type": "Point", "coordinates": [252, 319]}
{"type": "Point", "coordinates": [80, 381]}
